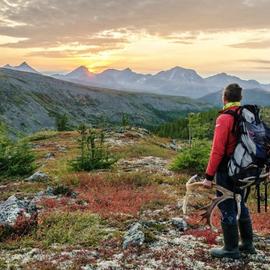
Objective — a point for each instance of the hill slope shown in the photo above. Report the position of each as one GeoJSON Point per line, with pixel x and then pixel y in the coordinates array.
{"type": "Point", "coordinates": [29, 102]}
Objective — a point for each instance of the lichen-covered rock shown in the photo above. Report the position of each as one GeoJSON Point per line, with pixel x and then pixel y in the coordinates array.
{"type": "Point", "coordinates": [105, 265]}
{"type": "Point", "coordinates": [50, 156]}
{"type": "Point", "coordinates": [134, 236]}
{"type": "Point", "coordinates": [47, 192]}
{"type": "Point", "coordinates": [38, 177]}
{"type": "Point", "coordinates": [148, 164]}
{"type": "Point", "coordinates": [179, 223]}
{"type": "Point", "coordinates": [13, 207]}
{"type": "Point", "coordinates": [17, 217]}
{"type": "Point", "coordinates": [87, 267]}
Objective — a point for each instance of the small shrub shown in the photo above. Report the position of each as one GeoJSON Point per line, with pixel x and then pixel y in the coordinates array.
{"type": "Point", "coordinates": [93, 153]}
{"type": "Point", "coordinates": [125, 120]}
{"type": "Point", "coordinates": [62, 122]}
{"type": "Point", "coordinates": [16, 158]}
{"type": "Point", "coordinates": [193, 158]}
{"type": "Point", "coordinates": [62, 190]}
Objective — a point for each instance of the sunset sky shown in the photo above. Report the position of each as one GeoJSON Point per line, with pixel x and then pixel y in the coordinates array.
{"type": "Point", "coordinates": [210, 36]}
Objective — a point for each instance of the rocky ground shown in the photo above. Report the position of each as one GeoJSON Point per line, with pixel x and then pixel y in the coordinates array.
{"type": "Point", "coordinates": [129, 217]}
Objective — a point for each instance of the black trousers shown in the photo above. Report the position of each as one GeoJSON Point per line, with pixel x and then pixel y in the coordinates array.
{"type": "Point", "coordinates": [228, 208]}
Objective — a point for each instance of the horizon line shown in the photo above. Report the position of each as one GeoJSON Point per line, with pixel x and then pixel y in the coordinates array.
{"type": "Point", "coordinates": [62, 72]}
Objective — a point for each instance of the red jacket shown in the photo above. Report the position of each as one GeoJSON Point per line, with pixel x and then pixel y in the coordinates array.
{"type": "Point", "coordinates": [224, 142]}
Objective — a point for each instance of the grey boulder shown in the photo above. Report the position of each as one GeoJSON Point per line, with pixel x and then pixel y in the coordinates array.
{"type": "Point", "coordinates": [134, 236]}
{"type": "Point", "coordinates": [179, 223]}
{"type": "Point", "coordinates": [38, 177]}
{"type": "Point", "coordinates": [13, 207]}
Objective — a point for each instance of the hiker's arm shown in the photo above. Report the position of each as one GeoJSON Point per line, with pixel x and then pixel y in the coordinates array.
{"type": "Point", "coordinates": [221, 135]}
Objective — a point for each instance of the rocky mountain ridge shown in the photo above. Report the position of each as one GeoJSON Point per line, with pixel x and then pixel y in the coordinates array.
{"type": "Point", "coordinates": [177, 81]}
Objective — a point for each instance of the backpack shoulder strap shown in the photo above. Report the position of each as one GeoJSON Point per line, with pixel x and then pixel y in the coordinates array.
{"type": "Point", "coordinates": [235, 114]}
{"type": "Point", "coordinates": [230, 112]}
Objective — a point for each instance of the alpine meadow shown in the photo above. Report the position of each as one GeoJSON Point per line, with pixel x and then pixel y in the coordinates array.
{"type": "Point", "coordinates": [134, 135]}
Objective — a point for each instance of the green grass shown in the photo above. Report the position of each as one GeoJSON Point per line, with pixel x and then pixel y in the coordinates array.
{"type": "Point", "coordinates": [64, 228]}
{"type": "Point", "coordinates": [42, 135]}
{"type": "Point", "coordinates": [58, 168]}
{"type": "Point", "coordinates": [144, 149]}
{"type": "Point", "coordinates": [75, 228]}
{"type": "Point", "coordinates": [23, 188]}
{"type": "Point", "coordinates": [136, 178]}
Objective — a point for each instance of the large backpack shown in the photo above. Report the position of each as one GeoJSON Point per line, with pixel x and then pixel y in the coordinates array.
{"type": "Point", "coordinates": [252, 152]}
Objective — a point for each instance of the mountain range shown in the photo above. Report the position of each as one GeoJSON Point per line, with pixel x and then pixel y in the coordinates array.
{"type": "Point", "coordinates": [30, 102]}
{"type": "Point", "coordinates": [177, 81]}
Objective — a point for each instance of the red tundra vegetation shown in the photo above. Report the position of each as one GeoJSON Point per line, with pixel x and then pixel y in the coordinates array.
{"type": "Point", "coordinates": [107, 197]}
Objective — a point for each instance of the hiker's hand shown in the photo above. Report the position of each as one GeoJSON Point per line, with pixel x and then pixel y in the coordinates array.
{"type": "Point", "coordinates": [207, 184]}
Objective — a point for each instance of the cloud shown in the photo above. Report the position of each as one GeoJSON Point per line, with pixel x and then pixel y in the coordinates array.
{"type": "Point", "coordinates": [252, 3]}
{"type": "Point", "coordinates": [83, 28]}
{"type": "Point", "coordinates": [258, 44]}
{"type": "Point", "coordinates": [75, 52]}
{"type": "Point", "coordinates": [183, 38]}
{"type": "Point", "coordinates": [256, 61]}
{"type": "Point", "coordinates": [50, 23]}
{"type": "Point", "coordinates": [53, 54]}
{"type": "Point", "coordinates": [257, 64]}
{"type": "Point", "coordinates": [263, 68]}
{"type": "Point", "coordinates": [69, 41]}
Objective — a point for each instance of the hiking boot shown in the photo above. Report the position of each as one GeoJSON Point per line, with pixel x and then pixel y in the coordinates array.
{"type": "Point", "coordinates": [246, 234]}
{"type": "Point", "coordinates": [231, 238]}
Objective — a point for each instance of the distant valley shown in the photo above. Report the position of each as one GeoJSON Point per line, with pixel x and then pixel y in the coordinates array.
{"type": "Point", "coordinates": [30, 102]}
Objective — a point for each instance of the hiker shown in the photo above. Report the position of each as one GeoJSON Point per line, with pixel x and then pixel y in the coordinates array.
{"type": "Point", "coordinates": [224, 143]}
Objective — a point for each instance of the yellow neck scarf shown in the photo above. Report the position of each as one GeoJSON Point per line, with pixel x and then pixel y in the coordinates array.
{"type": "Point", "coordinates": [231, 104]}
